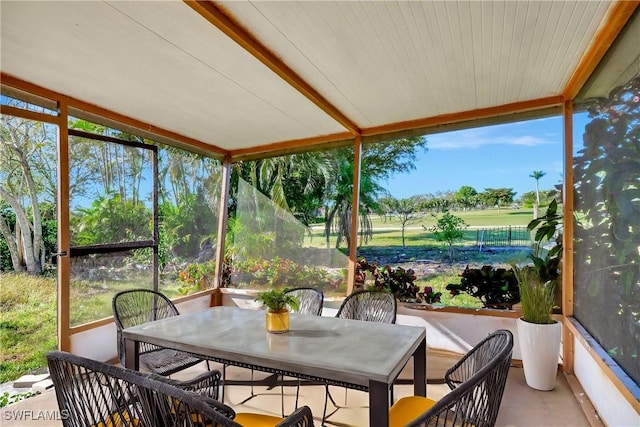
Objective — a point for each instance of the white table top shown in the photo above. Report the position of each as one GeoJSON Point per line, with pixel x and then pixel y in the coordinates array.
{"type": "Point", "coordinates": [348, 351]}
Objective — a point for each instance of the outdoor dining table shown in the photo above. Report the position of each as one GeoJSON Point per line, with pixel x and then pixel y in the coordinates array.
{"type": "Point", "coordinates": [350, 353]}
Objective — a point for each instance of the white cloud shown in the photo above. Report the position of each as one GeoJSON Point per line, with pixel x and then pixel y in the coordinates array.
{"type": "Point", "coordinates": [476, 138]}
{"type": "Point", "coordinates": [530, 141]}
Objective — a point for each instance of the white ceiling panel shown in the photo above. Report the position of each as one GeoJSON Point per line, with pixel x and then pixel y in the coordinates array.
{"type": "Point", "coordinates": [158, 62]}
{"type": "Point", "coordinates": [376, 62]}
{"type": "Point", "coordinates": [386, 62]}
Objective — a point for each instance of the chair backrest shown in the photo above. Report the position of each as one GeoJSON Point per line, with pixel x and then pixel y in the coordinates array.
{"type": "Point", "coordinates": [370, 306]}
{"type": "Point", "coordinates": [477, 381]}
{"type": "Point", "coordinates": [310, 300]}
{"type": "Point", "coordinates": [136, 307]}
{"type": "Point", "coordinates": [92, 393]}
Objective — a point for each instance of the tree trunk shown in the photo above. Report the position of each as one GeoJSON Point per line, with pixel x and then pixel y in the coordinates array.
{"type": "Point", "coordinates": [19, 244]}
{"type": "Point", "coordinates": [37, 241]}
{"type": "Point", "coordinates": [11, 244]}
{"type": "Point", "coordinates": [31, 259]}
{"type": "Point", "coordinates": [28, 234]}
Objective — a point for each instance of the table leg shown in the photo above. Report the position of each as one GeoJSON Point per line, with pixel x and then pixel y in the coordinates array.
{"type": "Point", "coordinates": [378, 404]}
{"type": "Point", "coordinates": [132, 354]}
{"type": "Point", "coordinates": [420, 369]}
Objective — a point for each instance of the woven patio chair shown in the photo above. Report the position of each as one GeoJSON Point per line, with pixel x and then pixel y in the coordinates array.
{"type": "Point", "coordinates": [137, 306]}
{"type": "Point", "coordinates": [477, 382]}
{"type": "Point", "coordinates": [92, 393]}
{"type": "Point", "coordinates": [310, 300]}
{"type": "Point", "coordinates": [368, 306]}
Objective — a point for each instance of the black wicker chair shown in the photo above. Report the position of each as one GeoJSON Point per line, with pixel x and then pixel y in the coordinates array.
{"type": "Point", "coordinates": [310, 300]}
{"type": "Point", "coordinates": [477, 382]}
{"type": "Point", "coordinates": [138, 306]}
{"type": "Point", "coordinates": [92, 393]}
{"type": "Point", "coordinates": [368, 306]}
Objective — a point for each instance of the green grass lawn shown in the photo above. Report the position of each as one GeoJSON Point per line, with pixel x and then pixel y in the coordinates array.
{"type": "Point", "coordinates": [474, 218]}
{"type": "Point", "coordinates": [389, 233]}
{"type": "Point", "coordinates": [28, 319]}
{"type": "Point", "coordinates": [439, 283]}
{"type": "Point", "coordinates": [27, 323]}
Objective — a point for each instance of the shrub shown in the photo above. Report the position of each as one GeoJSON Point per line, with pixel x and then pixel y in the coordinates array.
{"type": "Point", "coordinates": [494, 287]}
{"type": "Point", "coordinates": [449, 229]}
{"type": "Point", "coordinates": [280, 272]}
{"type": "Point", "coordinates": [200, 276]}
{"type": "Point", "coordinates": [398, 281]}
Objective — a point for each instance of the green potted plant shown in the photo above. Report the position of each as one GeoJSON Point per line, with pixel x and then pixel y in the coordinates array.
{"type": "Point", "coordinates": [278, 302]}
{"type": "Point", "coordinates": [547, 229]}
{"type": "Point", "coordinates": [537, 298]}
{"type": "Point", "coordinates": [538, 333]}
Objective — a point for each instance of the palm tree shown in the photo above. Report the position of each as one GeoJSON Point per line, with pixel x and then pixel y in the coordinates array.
{"type": "Point", "coordinates": [303, 183]}
{"type": "Point", "coordinates": [278, 186]}
{"type": "Point", "coordinates": [537, 175]}
{"type": "Point", "coordinates": [338, 212]}
{"type": "Point", "coordinates": [288, 179]}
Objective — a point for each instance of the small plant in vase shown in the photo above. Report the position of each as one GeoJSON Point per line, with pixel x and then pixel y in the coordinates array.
{"type": "Point", "coordinates": [278, 302]}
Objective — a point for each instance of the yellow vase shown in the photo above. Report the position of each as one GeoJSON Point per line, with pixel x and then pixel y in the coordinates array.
{"type": "Point", "coordinates": [278, 321]}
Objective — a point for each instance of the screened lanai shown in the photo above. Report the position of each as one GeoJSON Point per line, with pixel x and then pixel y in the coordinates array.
{"type": "Point", "coordinates": [240, 81]}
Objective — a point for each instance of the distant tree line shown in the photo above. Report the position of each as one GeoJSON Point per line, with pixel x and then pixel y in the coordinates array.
{"type": "Point", "coordinates": [466, 198]}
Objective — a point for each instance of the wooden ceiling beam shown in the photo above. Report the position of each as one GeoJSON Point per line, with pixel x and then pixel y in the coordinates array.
{"type": "Point", "coordinates": [222, 20]}
{"type": "Point", "coordinates": [616, 19]}
{"type": "Point", "coordinates": [29, 115]}
{"type": "Point", "coordinates": [322, 142]}
{"type": "Point", "coordinates": [444, 119]}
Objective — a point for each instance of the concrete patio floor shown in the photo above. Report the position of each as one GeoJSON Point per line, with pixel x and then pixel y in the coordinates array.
{"type": "Point", "coordinates": [521, 405]}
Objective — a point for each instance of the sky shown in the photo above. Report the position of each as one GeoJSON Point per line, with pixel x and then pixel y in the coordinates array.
{"type": "Point", "coordinates": [500, 156]}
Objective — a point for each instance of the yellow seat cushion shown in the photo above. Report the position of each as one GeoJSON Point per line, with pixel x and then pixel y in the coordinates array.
{"type": "Point", "coordinates": [116, 420]}
{"type": "Point", "coordinates": [408, 409]}
{"type": "Point", "coordinates": [256, 420]}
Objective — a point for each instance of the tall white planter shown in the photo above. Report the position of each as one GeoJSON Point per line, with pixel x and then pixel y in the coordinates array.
{"type": "Point", "coordinates": [539, 349]}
